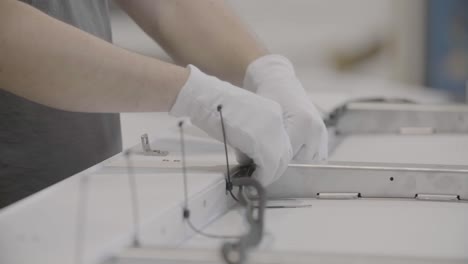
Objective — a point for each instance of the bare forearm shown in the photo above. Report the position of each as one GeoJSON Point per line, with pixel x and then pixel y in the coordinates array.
{"type": "Point", "coordinates": [205, 33]}
{"type": "Point", "coordinates": [49, 62]}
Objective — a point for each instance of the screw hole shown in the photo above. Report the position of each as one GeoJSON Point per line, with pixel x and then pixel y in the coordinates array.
{"type": "Point", "coordinates": [391, 179]}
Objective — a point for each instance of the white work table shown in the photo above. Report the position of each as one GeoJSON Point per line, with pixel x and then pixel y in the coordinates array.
{"type": "Point", "coordinates": [46, 227]}
{"type": "Point", "coordinates": [371, 227]}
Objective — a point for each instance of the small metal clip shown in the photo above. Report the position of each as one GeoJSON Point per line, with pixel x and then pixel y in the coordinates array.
{"type": "Point", "coordinates": [338, 196]}
{"type": "Point", "coordinates": [147, 151]}
{"type": "Point", "coordinates": [437, 197]}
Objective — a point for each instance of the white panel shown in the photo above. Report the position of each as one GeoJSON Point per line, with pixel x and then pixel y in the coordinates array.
{"type": "Point", "coordinates": [359, 227]}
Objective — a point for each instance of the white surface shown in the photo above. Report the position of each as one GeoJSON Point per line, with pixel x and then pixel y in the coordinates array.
{"type": "Point", "coordinates": [42, 228]}
{"type": "Point", "coordinates": [359, 227]}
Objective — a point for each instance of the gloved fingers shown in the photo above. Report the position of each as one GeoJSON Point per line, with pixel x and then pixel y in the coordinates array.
{"type": "Point", "coordinates": [271, 159]}
{"type": "Point", "coordinates": [295, 130]}
{"type": "Point", "coordinates": [282, 165]}
{"type": "Point", "coordinates": [305, 127]}
{"type": "Point", "coordinates": [265, 157]}
{"type": "Point", "coordinates": [305, 155]}
{"type": "Point", "coordinates": [253, 124]}
{"type": "Point", "coordinates": [323, 149]}
{"type": "Point", "coordinates": [242, 158]}
{"type": "Point", "coordinates": [277, 169]}
{"type": "Point", "coordinates": [309, 153]}
{"type": "Point", "coordinates": [267, 175]}
{"type": "Point", "coordinates": [259, 175]}
{"type": "Point", "coordinates": [315, 149]}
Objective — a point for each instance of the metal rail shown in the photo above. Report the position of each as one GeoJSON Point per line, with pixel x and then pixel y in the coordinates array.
{"type": "Point", "coordinates": [399, 118]}
{"type": "Point", "coordinates": [372, 180]}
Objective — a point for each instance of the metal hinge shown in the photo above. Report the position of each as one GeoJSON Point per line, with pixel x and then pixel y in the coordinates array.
{"type": "Point", "coordinates": [437, 197]}
{"type": "Point", "coordinates": [338, 196]}
{"type": "Point", "coordinates": [147, 151]}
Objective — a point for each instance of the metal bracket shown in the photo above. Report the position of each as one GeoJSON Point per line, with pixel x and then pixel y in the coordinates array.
{"type": "Point", "coordinates": [147, 151]}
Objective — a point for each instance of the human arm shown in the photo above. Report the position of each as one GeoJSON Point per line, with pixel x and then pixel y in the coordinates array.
{"type": "Point", "coordinates": [55, 64]}
{"type": "Point", "coordinates": [49, 62]}
{"type": "Point", "coordinates": [206, 33]}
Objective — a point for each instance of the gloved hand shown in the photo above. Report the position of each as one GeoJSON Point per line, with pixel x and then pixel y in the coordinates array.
{"type": "Point", "coordinates": [254, 125]}
{"type": "Point", "coordinates": [273, 77]}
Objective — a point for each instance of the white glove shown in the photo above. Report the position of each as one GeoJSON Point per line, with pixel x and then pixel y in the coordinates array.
{"type": "Point", "coordinates": [254, 125]}
{"type": "Point", "coordinates": [273, 77]}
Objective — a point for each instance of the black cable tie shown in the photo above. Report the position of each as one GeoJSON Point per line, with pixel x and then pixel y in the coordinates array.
{"type": "Point", "coordinates": [186, 213]}
{"type": "Point", "coordinates": [229, 186]}
{"type": "Point", "coordinates": [228, 173]}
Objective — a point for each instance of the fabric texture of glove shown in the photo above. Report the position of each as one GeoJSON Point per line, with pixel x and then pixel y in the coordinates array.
{"type": "Point", "coordinates": [254, 125]}
{"type": "Point", "coordinates": [273, 77]}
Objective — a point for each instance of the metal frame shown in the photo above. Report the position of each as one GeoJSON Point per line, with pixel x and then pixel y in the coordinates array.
{"type": "Point", "coordinates": [347, 180]}
{"type": "Point", "coordinates": [351, 180]}
{"type": "Point", "coordinates": [399, 118]}
{"type": "Point", "coordinates": [337, 180]}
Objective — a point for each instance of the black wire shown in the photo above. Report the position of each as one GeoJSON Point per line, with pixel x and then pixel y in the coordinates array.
{"type": "Point", "coordinates": [234, 197]}
{"type": "Point", "coordinates": [186, 211]}
{"type": "Point", "coordinates": [134, 199]}
{"type": "Point", "coordinates": [184, 169]}
{"type": "Point", "coordinates": [220, 108]}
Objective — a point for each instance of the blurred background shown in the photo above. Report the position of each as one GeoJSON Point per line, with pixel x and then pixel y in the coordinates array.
{"type": "Point", "coordinates": [336, 44]}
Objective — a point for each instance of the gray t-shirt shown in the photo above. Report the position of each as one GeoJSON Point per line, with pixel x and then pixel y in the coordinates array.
{"type": "Point", "coordinates": [39, 145]}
